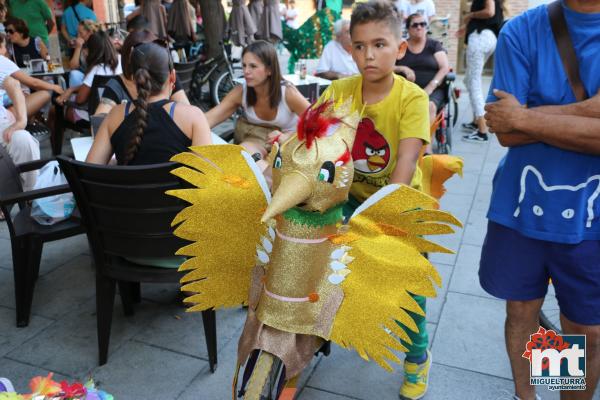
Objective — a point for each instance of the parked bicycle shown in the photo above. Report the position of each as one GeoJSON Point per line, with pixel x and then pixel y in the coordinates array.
{"type": "Point", "coordinates": [447, 117]}
{"type": "Point", "coordinates": [214, 78]}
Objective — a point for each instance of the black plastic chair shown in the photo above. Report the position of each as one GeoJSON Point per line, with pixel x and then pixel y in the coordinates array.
{"type": "Point", "coordinates": [128, 215]}
{"type": "Point", "coordinates": [61, 123]}
{"type": "Point", "coordinates": [310, 91]}
{"type": "Point", "coordinates": [184, 73]}
{"type": "Point", "coordinates": [27, 237]}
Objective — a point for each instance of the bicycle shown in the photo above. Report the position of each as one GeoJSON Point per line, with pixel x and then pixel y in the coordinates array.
{"type": "Point", "coordinates": [448, 116]}
{"type": "Point", "coordinates": [212, 79]}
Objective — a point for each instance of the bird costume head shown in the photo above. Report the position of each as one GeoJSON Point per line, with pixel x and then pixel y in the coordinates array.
{"type": "Point", "coordinates": [313, 170]}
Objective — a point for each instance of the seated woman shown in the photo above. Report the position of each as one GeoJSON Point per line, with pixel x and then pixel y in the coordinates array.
{"type": "Point", "coordinates": [103, 60]}
{"type": "Point", "coordinates": [122, 88]}
{"type": "Point", "coordinates": [152, 129]}
{"type": "Point", "coordinates": [22, 43]}
{"type": "Point", "coordinates": [425, 63]}
{"type": "Point", "coordinates": [36, 100]}
{"type": "Point", "coordinates": [265, 98]}
{"type": "Point", "coordinates": [77, 64]}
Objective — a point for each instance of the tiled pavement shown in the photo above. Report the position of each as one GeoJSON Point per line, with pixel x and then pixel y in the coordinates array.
{"type": "Point", "coordinates": [160, 352]}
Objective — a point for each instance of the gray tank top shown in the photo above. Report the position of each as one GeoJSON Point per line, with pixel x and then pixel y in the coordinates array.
{"type": "Point", "coordinates": [285, 119]}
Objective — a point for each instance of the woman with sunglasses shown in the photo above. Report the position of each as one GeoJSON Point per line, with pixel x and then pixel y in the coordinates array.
{"type": "Point", "coordinates": [23, 44]}
{"type": "Point", "coordinates": [122, 88]}
{"type": "Point", "coordinates": [425, 63]}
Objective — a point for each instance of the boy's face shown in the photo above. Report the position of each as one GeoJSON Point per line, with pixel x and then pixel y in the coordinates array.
{"type": "Point", "coordinates": [375, 50]}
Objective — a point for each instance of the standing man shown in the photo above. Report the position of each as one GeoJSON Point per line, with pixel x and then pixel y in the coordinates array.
{"type": "Point", "coordinates": [37, 16]}
{"type": "Point", "coordinates": [336, 60]}
{"type": "Point", "coordinates": [544, 216]}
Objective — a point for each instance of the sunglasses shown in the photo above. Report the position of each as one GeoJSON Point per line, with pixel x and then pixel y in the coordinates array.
{"type": "Point", "coordinates": [418, 24]}
{"type": "Point", "coordinates": [10, 31]}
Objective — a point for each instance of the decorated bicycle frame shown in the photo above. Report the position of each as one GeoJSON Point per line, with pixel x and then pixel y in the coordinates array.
{"type": "Point", "coordinates": [306, 276]}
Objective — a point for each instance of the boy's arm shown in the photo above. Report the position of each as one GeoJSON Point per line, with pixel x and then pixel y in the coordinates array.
{"type": "Point", "coordinates": [414, 132]}
{"type": "Point", "coordinates": [406, 161]}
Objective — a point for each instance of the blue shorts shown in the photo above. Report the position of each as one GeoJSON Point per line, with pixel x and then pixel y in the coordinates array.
{"type": "Point", "coordinates": [516, 267]}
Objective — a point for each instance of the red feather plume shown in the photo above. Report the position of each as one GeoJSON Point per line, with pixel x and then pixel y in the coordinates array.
{"type": "Point", "coordinates": [313, 124]}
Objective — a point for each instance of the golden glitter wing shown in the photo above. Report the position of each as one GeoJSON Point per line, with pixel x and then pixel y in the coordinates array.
{"type": "Point", "coordinates": [383, 255]}
{"type": "Point", "coordinates": [228, 197]}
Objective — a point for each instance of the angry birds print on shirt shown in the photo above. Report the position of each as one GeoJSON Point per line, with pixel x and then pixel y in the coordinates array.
{"type": "Point", "coordinates": [371, 152]}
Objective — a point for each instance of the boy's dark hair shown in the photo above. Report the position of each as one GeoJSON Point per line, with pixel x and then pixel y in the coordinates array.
{"type": "Point", "coordinates": [377, 11]}
{"type": "Point", "coordinates": [138, 23]}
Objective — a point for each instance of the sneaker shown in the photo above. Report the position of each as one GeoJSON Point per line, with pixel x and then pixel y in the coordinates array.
{"type": "Point", "coordinates": [471, 126]}
{"type": "Point", "coordinates": [476, 136]}
{"type": "Point", "coordinates": [506, 395]}
{"type": "Point", "coordinates": [416, 378]}
{"type": "Point", "coordinates": [6, 386]}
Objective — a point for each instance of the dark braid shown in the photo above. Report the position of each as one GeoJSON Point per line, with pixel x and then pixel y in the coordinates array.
{"type": "Point", "coordinates": [143, 84]}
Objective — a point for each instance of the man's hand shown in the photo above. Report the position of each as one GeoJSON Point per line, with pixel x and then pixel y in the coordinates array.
{"type": "Point", "coordinates": [504, 115]}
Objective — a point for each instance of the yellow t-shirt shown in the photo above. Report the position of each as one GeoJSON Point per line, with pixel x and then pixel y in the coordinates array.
{"type": "Point", "coordinates": [404, 113]}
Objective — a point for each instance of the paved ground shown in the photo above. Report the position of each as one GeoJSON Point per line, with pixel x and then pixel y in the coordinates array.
{"type": "Point", "coordinates": [160, 352]}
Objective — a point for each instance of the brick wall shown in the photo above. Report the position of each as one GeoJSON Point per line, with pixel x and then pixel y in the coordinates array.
{"type": "Point", "coordinates": [455, 8]}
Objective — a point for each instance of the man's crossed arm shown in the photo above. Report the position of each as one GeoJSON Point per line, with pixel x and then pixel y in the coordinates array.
{"type": "Point", "coordinates": [574, 127]}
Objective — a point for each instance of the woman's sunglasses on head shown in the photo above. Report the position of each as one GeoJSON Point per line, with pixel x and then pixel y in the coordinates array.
{"type": "Point", "coordinates": [418, 24]}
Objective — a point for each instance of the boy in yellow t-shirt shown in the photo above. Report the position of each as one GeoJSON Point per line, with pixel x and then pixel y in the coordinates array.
{"type": "Point", "coordinates": [394, 127]}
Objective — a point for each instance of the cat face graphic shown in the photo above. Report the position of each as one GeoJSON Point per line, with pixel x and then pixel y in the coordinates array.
{"type": "Point", "coordinates": [566, 200]}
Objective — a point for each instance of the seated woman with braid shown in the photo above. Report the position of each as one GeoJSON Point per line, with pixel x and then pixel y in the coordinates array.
{"type": "Point", "coordinates": [152, 128]}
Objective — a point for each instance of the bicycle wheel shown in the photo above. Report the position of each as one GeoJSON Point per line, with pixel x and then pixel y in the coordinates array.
{"type": "Point", "coordinates": [454, 102]}
{"type": "Point", "coordinates": [550, 313]}
{"type": "Point", "coordinates": [450, 121]}
{"type": "Point", "coordinates": [221, 86]}
{"type": "Point", "coordinates": [264, 381]}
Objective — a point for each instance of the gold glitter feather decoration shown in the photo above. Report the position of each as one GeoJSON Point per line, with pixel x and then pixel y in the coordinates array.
{"type": "Point", "coordinates": [222, 222]}
{"type": "Point", "coordinates": [387, 263]}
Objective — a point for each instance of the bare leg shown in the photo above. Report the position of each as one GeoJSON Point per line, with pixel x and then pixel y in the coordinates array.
{"type": "Point", "coordinates": [35, 101]}
{"type": "Point", "coordinates": [253, 147]}
{"type": "Point", "coordinates": [592, 353]}
{"type": "Point", "coordinates": [522, 320]}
